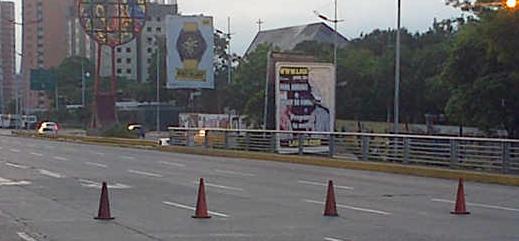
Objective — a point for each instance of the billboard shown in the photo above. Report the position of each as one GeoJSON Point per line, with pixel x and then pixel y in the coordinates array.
{"type": "Point", "coordinates": [305, 101]}
{"type": "Point", "coordinates": [190, 44]}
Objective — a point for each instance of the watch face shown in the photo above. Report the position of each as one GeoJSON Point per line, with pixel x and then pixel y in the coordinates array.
{"type": "Point", "coordinates": [191, 45]}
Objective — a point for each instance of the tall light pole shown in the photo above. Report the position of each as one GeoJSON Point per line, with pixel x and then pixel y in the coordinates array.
{"type": "Point", "coordinates": [397, 73]}
{"type": "Point", "coordinates": [83, 84]}
{"type": "Point", "coordinates": [335, 21]}
{"type": "Point", "coordinates": [229, 72]}
{"type": "Point", "coordinates": [158, 84]}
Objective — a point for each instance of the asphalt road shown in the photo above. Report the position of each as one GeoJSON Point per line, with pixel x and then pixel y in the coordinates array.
{"type": "Point", "coordinates": [50, 191]}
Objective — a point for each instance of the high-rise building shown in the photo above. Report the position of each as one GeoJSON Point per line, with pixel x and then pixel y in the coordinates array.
{"type": "Point", "coordinates": [45, 43]}
{"type": "Point", "coordinates": [7, 54]}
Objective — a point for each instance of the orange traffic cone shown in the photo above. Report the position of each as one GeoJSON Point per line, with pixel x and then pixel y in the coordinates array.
{"type": "Point", "coordinates": [330, 209]}
{"type": "Point", "coordinates": [201, 204]}
{"type": "Point", "coordinates": [104, 205]}
{"type": "Point", "coordinates": [460, 208]}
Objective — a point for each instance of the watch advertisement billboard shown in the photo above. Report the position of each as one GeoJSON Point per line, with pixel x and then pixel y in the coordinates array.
{"type": "Point", "coordinates": [305, 101]}
{"type": "Point", "coordinates": [190, 44]}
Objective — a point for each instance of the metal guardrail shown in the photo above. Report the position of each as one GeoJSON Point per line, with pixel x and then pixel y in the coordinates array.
{"type": "Point", "coordinates": [481, 154]}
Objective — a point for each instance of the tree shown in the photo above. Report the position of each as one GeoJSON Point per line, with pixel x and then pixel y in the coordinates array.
{"type": "Point", "coordinates": [482, 74]}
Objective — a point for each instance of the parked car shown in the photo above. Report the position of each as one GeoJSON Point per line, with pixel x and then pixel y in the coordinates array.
{"type": "Point", "coordinates": [48, 127]}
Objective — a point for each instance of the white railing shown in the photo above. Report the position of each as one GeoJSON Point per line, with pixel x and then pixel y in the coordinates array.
{"type": "Point", "coordinates": [481, 154]}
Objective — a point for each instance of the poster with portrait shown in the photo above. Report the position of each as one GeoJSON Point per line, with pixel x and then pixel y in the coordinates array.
{"type": "Point", "coordinates": [190, 44]}
{"type": "Point", "coordinates": [305, 101]}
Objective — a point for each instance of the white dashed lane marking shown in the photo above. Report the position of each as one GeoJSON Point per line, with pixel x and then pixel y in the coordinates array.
{"type": "Point", "coordinates": [172, 164]}
{"type": "Point", "coordinates": [25, 236]}
{"type": "Point", "coordinates": [243, 174]}
{"type": "Point", "coordinates": [366, 210]}
{"type": "Point", "coordinates": [16, 165]}
{"type": "Point", "coordinates": [324, 184]}
{"type": "Point", "coordinates": [14, 150]}
{"type": "Point", "coordinates": [479, 205]}
{"type": "Point", "coordinates": [50, 174]}
{"type": "Point", "coordinates": [95, 164]}
{"type": "Point", "coordinates": [7, 182]}
{"type": "Point", "coordinates": [92, 184]}
{"type": "Point", "coordinates": [178, 205]}
{"type": "Point", "coordinates": [149, 174]}
{"type": "Point", "coordinates": [223, 187]}
{"type": "Point", "coordinates": [36, 154]}
{"type": "Point", "coordinates": [61, 158]}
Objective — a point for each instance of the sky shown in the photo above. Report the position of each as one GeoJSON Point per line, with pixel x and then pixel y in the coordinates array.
{"type": "Point", "coordinates": [360, 16]}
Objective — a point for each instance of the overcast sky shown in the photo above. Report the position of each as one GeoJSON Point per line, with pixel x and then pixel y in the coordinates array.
{"type": "Point", "coordinates": [361, 16]}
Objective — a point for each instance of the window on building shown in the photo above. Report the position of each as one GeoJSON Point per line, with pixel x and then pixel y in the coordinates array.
{"type": "Point", "coordinates": [148, 29]}
{"type": "Point", "coordinates": [119, 71]}
{"type": "Point", "coordinates": [128, 61]}
{"type": "Point", "coordinates": [119, 60]}
{"type": "Point", "coordinates": [158, 19]}
{"type": "Point", "coordinates": [128, 71]}
{"type": "Point", "coordinates": [158, 29]}
{"type": "Point", "coordinates": [119, 50]}
{"type": "Point", "coordinates": [149, 61]}
{"type": "Point", "coordinates": [149, 50]}
{"type": "Point", "coordinates": [128, 50]}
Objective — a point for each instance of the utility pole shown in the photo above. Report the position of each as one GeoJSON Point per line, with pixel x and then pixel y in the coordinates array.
{"type": "Point", "coordinates": [397, 73]}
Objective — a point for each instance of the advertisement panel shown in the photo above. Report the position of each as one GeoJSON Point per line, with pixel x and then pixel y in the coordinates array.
{"type": "Point", "coordinates": [305, 101]}
{"type": "Point", "coordinates": [190, 44]}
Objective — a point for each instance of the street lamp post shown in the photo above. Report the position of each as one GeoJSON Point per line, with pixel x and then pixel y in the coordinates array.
{"type": "Point", "coordinates": [335, 21]}
{"type": "Point", "coordinates": [158, 86]}
{"type": "Point", "coordinates": [83, 84]}
{"type": "Point", "coordinates": [397, 73]}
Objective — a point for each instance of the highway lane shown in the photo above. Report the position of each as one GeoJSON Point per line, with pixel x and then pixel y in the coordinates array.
{"type": "Point", "coordinates": [152, 193]}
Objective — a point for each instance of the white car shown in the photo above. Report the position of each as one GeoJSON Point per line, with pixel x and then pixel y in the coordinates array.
{"type": "Point", "coordinates": [48, 128]}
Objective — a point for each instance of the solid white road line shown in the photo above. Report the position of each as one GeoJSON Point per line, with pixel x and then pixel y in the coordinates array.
{"type": "Point", "coordinates": [332, 239]}
{"type": "Point", "coordinates": [60, 158]}
{"type": "Point", "coordinates": [95, 164]}
{"type": "Point", "coordinates": [178, 205]}
{"type": "Point", "coordinates": [235, 173]}
{"type": "Point", "coordinates": [127, 157]}
{"type": "Point", "coordinates": [50, 174]}
{"type": "Point", "coordinates": [223, 187]}
{"type": "Point", "coordinates": [172, 164]}
{"type": "Point", "coordinates": [16, 165]}
{"type": "Point", "coordinates": [92, 184]}
{"type": "Point", "coordinates": [350, 207]}
{"type": "Point", "coordinates": [25, 236]}
{"type": "Point", "coordinates": [14, 150]}
{"type": "Point", "coordinates": [144, 173]}
{"type": "Point", "coordinates": [478, 205]}
{"type": "Point", "coordinates": [36, 154]}
{"type": "Point", "coordinates": [324, 184]}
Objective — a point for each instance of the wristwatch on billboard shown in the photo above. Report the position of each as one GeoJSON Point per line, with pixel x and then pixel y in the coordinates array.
{"type": "Point", "coordinates": [191, 45]}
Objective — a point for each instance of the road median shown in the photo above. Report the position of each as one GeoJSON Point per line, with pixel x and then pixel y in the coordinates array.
{"type": "Point", "coordinates": [435, 172]}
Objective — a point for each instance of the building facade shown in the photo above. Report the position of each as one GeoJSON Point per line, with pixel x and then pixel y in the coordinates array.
{"type": "Point", "coordinates": [45, 43]}
{"type": "Point", "coordinates": [7, 55]}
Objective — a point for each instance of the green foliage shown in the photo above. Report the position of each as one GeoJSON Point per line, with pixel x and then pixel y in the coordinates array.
{"type": "Point", "coordinates": [482, 73]}
{"type": "Point", "coordinates": [119, 131]}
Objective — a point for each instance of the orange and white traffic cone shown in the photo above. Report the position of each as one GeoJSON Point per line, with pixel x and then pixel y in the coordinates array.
{"type": "Point", "coordinates": [330, 208]}
{"type": "Point", "coordinates": [104, 205]}
{"type": "Point", "coordinates": [460, 208]}
{"type": "Point", "coordinates": [201, 204]}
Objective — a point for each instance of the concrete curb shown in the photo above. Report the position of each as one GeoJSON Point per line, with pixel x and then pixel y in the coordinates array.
{"type": "Point", "coordinates": [423, 171]}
